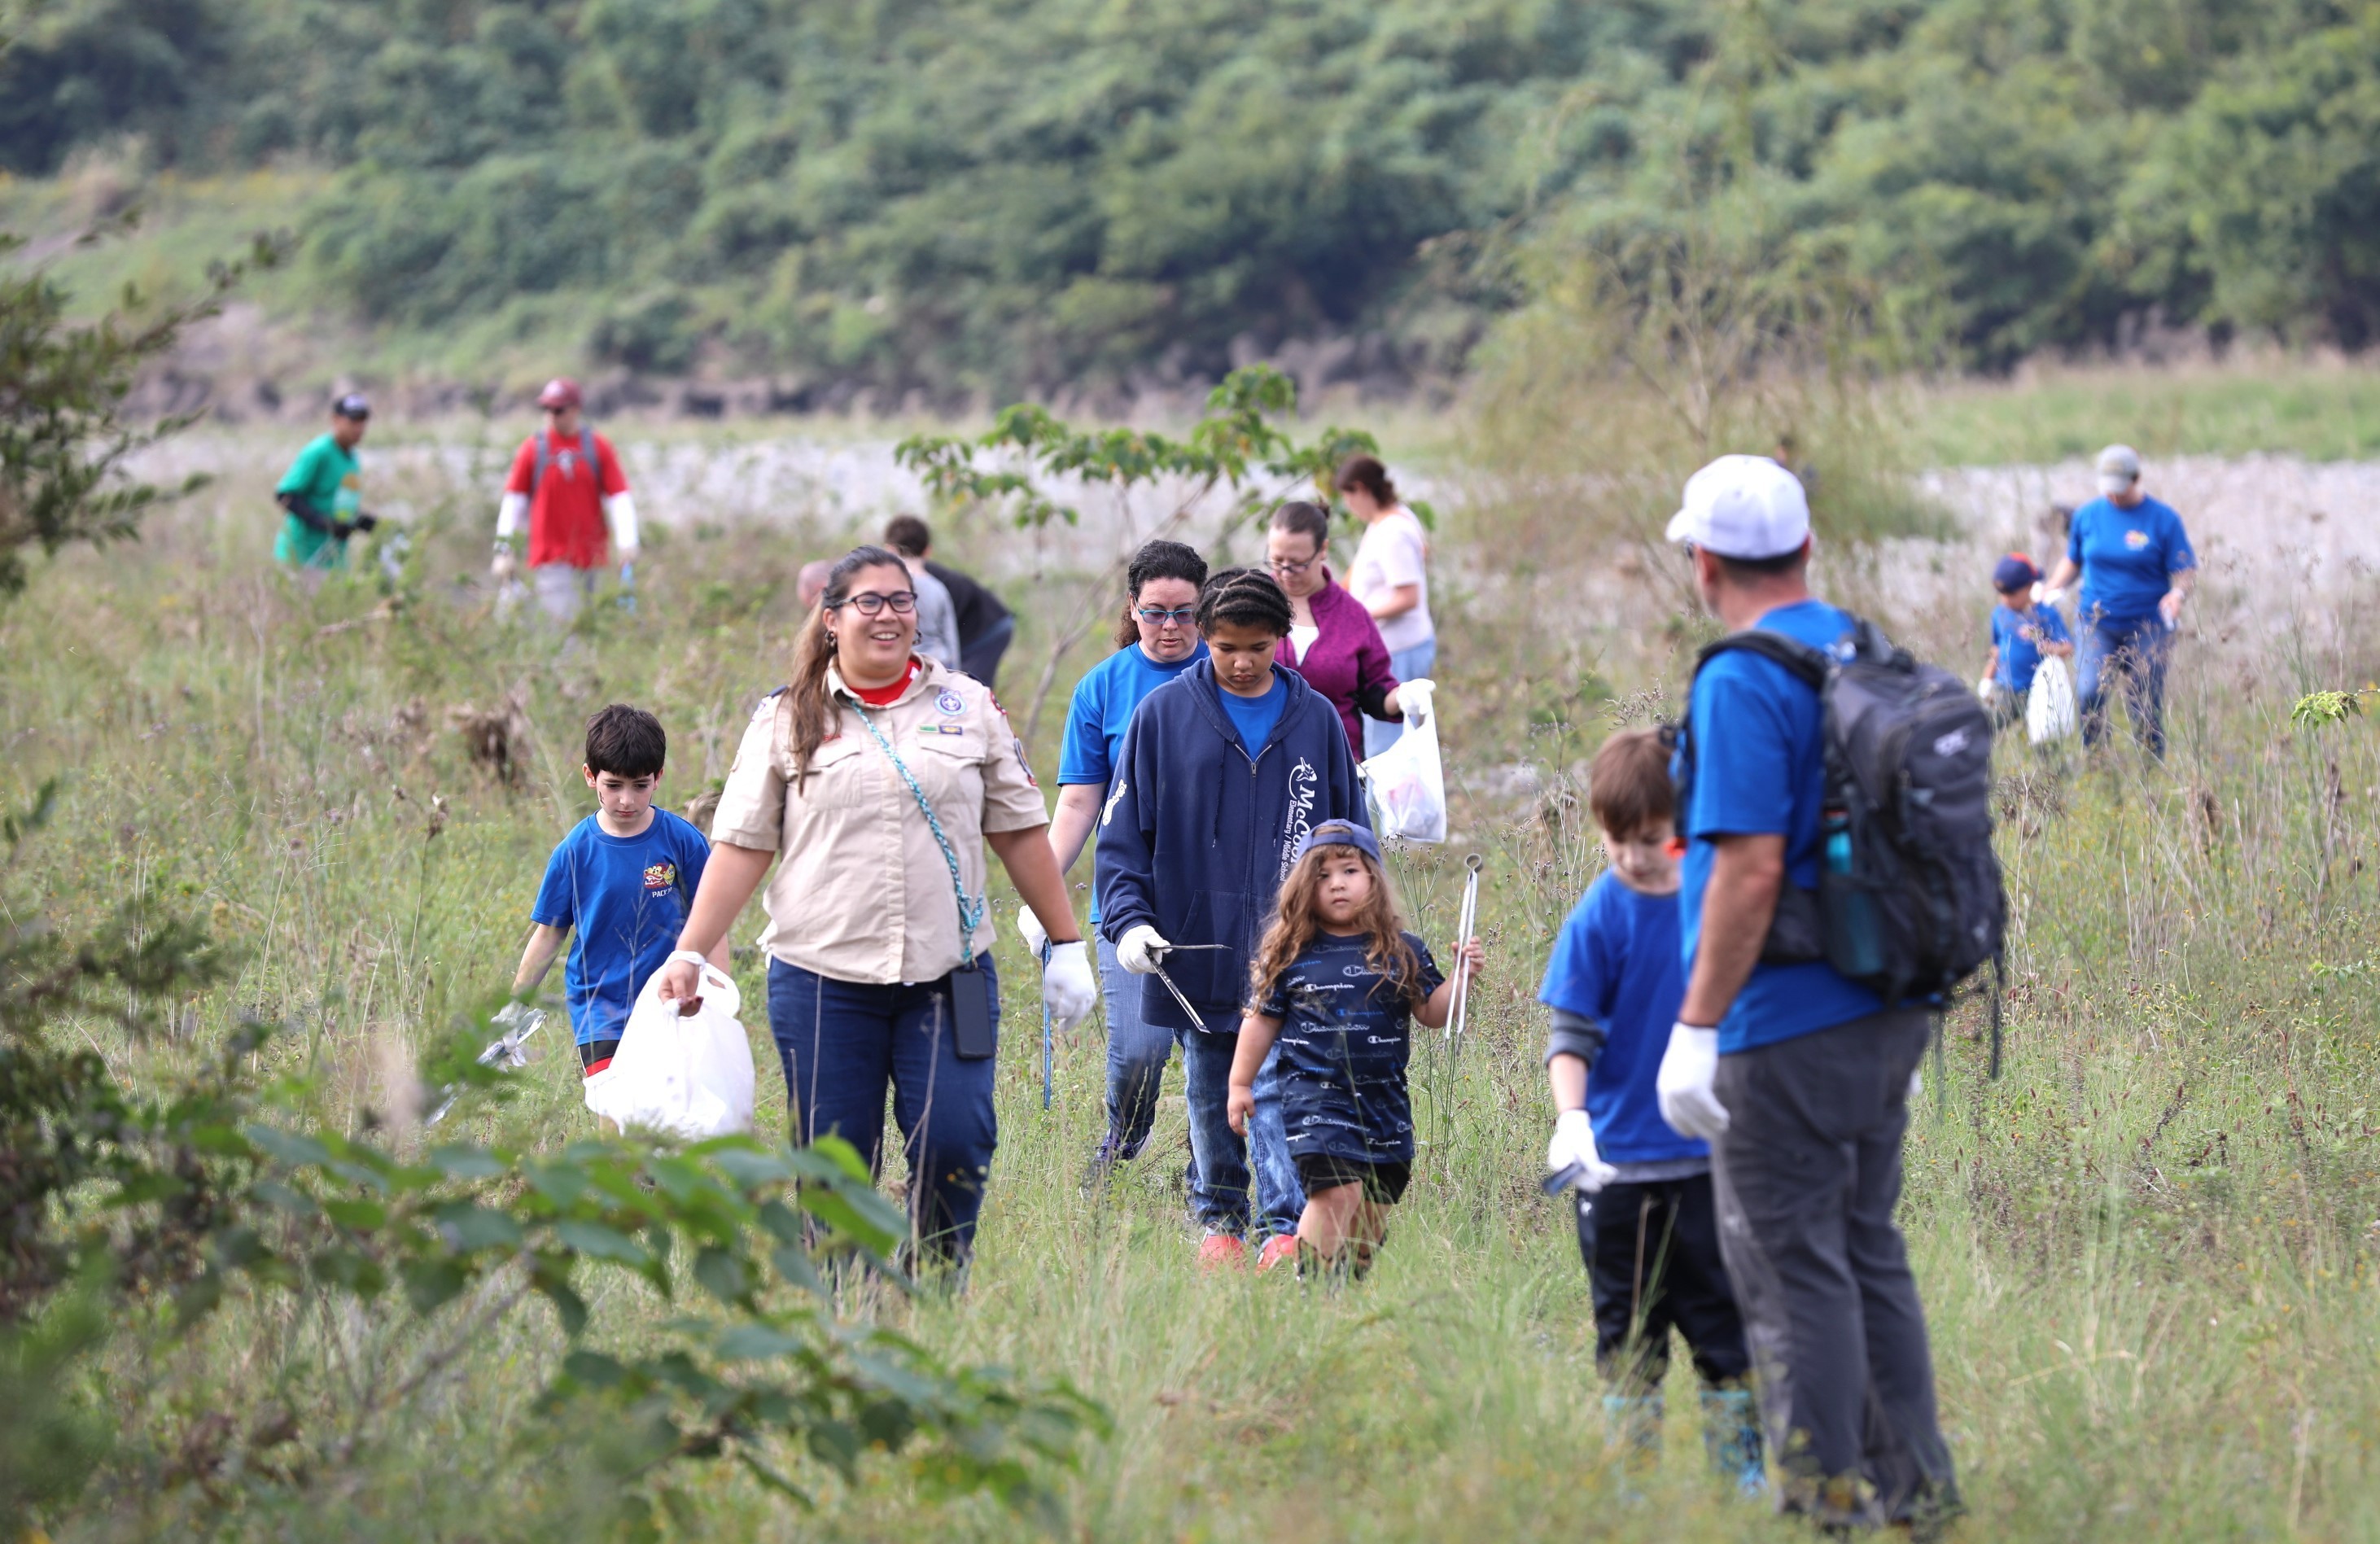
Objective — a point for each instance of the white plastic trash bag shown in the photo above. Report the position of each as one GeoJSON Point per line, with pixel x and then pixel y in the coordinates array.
{"type": "Point", "coordinates": [681, 1076]}
{"type": "Point", "coordinates": [2049, 712]}
{"type": "Point", "coordinates": [1408, 785]}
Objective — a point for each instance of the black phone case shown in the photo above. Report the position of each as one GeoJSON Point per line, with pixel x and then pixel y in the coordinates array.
{"type": "Point", "coordinates": [974, 1034]}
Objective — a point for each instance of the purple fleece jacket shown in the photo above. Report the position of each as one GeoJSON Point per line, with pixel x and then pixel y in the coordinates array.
{"type": "Point", "coordinates": [1349, 664]}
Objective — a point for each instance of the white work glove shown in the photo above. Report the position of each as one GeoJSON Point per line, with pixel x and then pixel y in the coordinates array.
{"type": "Point", "coordinates": [1139, 948]}
{"type": "Point", "coordinates": [1029, 928]}
{"type": "Point", "coordinates": [1575, 1143]}
{"type": "Point", "coordinates": [2051, 597]}
{"type": "Point", "coordinates": [1068, 989]}
{"type": "Point", "coordinates": [1987, 687]}
{"type": "Point", "coordinates": [503, 564]}
{"type": "Point", "coordinates": [1415, 698]}
{"type": "Point", "coordinates": [1916, 1085]}
{"type": "Point", "coordinates": [1683, 1084]}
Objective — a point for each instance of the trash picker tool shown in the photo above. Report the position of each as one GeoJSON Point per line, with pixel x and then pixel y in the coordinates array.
{"type": "Point", "coordinates": [504, 1051]}
{"type": "Point", "coordinates": [1562, 1179]}
{"type": "Point", "coordinates": [1464, 927]}
{"type": "Point", "coordinates": [1046, 1035]}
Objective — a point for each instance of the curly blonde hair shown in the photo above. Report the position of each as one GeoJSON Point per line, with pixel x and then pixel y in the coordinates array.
{"type": "Point", "coordinates": [1299, 918]}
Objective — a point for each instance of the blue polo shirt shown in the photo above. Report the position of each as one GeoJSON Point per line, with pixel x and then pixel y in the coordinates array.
{"type": "Point", "coordinates": [625, 900]}
{"type": "Point", "coordinates": [2019, 638]}
{"type": "Point", "coordinates": [1101, 710]}
{"type": "Point", "coordinates": [1617, 963]}
{"type": "Point", "coordinates": [2127, 558]}
{"type": "Point", "coordinates": [1760, 770]}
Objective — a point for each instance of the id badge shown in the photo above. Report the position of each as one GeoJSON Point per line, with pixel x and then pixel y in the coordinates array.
{"type": "Point", "coordinates": [974, 1029]}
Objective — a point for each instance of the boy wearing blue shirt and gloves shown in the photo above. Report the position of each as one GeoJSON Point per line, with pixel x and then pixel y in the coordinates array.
{"type": "Point", "coordinates": [1647, 1225]}
{"type": "Point", "coordinates": [1797, 1076]}
{"type": "Point", "coordinates": [618, 887]}
{"type": "Point", "coordinates": [2024, 632]}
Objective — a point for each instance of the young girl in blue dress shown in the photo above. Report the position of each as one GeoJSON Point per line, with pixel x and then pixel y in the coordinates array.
{"type": "Point", "coordinates": [1340, 984]}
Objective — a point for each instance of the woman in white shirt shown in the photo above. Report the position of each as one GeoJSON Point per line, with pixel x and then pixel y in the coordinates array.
{"type": "Point", "coordinates": [1391, 576]}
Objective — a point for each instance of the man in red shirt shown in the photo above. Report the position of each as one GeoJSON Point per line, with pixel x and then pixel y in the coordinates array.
{"type": "Point", "coordinates": [567, 482]}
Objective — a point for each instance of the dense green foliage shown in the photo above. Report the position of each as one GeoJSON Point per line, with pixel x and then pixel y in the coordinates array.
{"type": "Point", "coordinates": [988, 197]}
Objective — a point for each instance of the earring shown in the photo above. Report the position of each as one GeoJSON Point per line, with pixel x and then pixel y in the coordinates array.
{"type": "Point", "coordinates": [833, 643]}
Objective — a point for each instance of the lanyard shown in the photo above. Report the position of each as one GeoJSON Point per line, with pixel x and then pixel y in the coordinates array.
{"type": "Point", "coordinates": [971, 913]}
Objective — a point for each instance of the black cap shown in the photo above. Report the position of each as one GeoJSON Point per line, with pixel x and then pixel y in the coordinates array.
{"type": "Point", "coordinates": [353, 406]}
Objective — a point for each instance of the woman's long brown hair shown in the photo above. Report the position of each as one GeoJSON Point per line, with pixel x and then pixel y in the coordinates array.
{"type": "Point", "coordinates": [807, 714]}
{"type": "Point", "coordinates": [1297, 921]}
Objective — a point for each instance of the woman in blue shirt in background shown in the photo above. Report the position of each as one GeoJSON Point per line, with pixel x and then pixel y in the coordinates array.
{"type": "Point", "coordinates": [2136, 565]}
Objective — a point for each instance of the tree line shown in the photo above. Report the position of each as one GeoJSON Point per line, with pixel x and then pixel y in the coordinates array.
{"type": "Point", "coordinates": [1005, 195]}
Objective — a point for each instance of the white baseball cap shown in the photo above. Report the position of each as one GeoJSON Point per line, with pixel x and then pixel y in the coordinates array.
{"type": "Point", "coordinates": [1743, 507]}
{"type": "Point", "coordinates": [2120, 467]}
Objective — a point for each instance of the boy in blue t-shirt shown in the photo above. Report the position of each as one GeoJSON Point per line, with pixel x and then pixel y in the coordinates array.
{"type": "Point", "coordinates": [2023, 633]}
{"type": "Point", "coordinates": [1647, 1221]}
{"type": "Point", "coordinates": [618, 886]}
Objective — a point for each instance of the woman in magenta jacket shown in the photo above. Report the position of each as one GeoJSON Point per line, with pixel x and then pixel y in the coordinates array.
{"type": "Point", "coordinates": [1333, 643]}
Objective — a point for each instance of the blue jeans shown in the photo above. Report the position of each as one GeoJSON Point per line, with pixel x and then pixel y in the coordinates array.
{"type": "Point", "coordinates": [843, 1041]}
{"type": "Point", "coordinates": [1137, 1053]}
{"type": "Point", "coordinates": [1405, 665]}
{"type": "Point", "coordinates": [1220, 1203]}
{"type": "Point", "coordinates": [2139, 650]}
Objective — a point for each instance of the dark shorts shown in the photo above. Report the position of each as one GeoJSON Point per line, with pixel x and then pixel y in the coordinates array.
{"type": "Point", "coordinates": [1384, 1183]}
{"type": "Point", "coordinates": [595, 1055]}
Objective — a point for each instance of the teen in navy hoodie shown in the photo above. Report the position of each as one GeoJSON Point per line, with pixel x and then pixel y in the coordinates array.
{"type": "Point", "coordinates": [1223, 771]}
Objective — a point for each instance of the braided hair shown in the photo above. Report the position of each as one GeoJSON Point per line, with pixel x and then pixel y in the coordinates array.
{"type": "Point", "coordinates": [1243, 598]}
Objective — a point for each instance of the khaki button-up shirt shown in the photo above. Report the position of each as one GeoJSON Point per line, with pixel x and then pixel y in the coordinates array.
{"type": "Point", "coordinates": [862, 892]}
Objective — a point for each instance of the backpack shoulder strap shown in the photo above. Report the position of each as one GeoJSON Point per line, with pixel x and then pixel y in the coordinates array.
{"type": "Point", "coordinates": [1811, 665]}
{"type": "Point", "coordinates": [544, 457]}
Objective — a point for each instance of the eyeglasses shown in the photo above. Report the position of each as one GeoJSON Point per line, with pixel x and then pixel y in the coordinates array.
{"type": "Point", "coordinates": [1157, 616]}
{"type": "Point", "coordinates": [870, 603]}
{"type": "Point", "coordinates": [1293, 569]}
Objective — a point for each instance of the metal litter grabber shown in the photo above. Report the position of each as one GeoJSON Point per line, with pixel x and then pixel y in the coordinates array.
{"type": "Point", "coordinates": [1466, 925]}
{"type": "Point", "coordinates": [521, 1022]}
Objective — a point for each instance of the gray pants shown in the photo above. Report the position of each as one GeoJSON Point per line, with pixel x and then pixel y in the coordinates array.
{"type": "Point", "coordinates": [562, 590]}
{"type": "Point", "coordinates": [1807, 1177]}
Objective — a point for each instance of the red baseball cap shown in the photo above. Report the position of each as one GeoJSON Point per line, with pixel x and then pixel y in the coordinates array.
{"type": "Point", "coordinates": [560, 392]}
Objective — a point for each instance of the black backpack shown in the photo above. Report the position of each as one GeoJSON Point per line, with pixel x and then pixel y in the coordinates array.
{"type": "Point", "coordinates": [1909, 902]}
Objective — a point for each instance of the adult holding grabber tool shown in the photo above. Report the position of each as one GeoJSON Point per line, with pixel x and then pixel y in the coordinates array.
{"type": "Point", "coordinates": [1797, 1076]}
{"type": "Point", "coordinates": [2137, 569]}
{"type": "Point", "coordinates": [321, 497]}
{"type": "Point", "coordinates": [1156, 639]}
{"type": "Point", "coordinates": [1224, 772]}
{"type": "Point", "coordinates": [872, 783]}
{"type": "Point", "coordinates": [568, 487]}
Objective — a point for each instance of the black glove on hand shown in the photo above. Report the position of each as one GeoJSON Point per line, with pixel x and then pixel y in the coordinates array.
{"type": "Point", "coordinates": [366, 520]}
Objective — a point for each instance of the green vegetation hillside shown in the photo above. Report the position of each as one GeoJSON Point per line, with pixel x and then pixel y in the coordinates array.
{"type": "Point", "coordinates": [1006, 195]}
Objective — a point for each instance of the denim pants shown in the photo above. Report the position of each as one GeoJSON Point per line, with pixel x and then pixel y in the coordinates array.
{"type": "Point", "coordinates": [843, 1041]}
{"type": "Point", "coordinates": [1138, 1052]}
{"type": "Point", "coordinates": [1218, 1202]}
{"type": "Point", "coordinates": [2139, 650]}
{"type": "Point", "coordinates": [1405, 665]}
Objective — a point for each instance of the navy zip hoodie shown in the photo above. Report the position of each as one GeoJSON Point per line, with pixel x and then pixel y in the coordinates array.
{"type": "Point", "coordinates": [1199, 830]}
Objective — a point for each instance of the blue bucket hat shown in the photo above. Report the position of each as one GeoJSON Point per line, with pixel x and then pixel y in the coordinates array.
{"type": "Point", "coordinates": [1341, 834]}
{"type": "Point", "coordinates": [2015, 572]}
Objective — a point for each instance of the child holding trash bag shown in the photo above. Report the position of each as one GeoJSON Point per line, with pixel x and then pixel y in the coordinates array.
{"type": "Point", "coordinates": [618, 887]}
{"type": "Point", "coordinates": [1647, 1222]}
{"type": "Point", "coordinates": [1338, 984]}
{"type": "Point", "coordinates": [1224, 770]}
{"type": "Point", "coordinates": [2024, 632]}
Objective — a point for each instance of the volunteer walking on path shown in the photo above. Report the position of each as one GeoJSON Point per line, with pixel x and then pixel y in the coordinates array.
{"type": "Point", "coordinates": [1224, 772]}
{"type": "Point", "coordinates": [1156, 639]}
{"type": "Point", "coordinates": [1797, 1076]}
{"type": "Point", "coordinates": [984, 626]}
{"type": "Point", "coordinates": [321, 495]}
{"type": "Point", "coordinates": [1333, 643]}
{"type": "Point", "coordinates": [566, 483]}
{"type": "Point", "coordinates": [938, 615]}
{"type": "Point", "coordinates": [2137, 568]}
{"type": "Point", "coordinates": [1391, 579]}
{"type": "Point", "coordinates": [873, 783]}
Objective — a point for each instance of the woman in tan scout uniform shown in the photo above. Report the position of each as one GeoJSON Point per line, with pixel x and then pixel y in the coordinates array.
{"type": "Point", "coordinates": [873, 783]}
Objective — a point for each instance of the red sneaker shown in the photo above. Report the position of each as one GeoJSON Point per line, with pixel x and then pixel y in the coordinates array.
{"type": "Point", "coordinates": [1219, 1251]}
{"type": "Point", "coordinates": [1279, 1249]}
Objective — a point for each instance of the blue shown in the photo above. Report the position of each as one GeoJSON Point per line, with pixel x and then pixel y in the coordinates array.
{"type": "Point", "coordinates": [2018, 639]}
{"type": "Point", "coordinates": [1100, 711]}
{"type": "Point", "coordinates": [1760, 771]}
{"type": "Point", "coordinates": [1346, 1035]}
{"type": "Point", "coordinates": [1255, 717]}
{"type": "Point", "coordinates": [623, 899]}
{"type": "Point", "coordinates": [1617, 962]}
{"type": "Point", "coordinates": [2128, 557]}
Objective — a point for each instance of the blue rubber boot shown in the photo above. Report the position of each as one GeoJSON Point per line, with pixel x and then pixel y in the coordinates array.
{"type": "Point", "coordinates": [1731, 1439]}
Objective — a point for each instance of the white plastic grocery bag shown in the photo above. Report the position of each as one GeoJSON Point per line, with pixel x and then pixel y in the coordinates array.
{"type": "Point", "coordinates": [1408, 785]}
{"type": "Point", "coordinates": [2049, 712]}
{"type": "Point", "coordinates": [687, 1077]}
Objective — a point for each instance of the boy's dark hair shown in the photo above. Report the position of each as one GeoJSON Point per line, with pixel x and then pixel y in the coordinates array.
{"type": "Point", "coordinates": [907, 535]}
{"type": "Point", "coordinates": [1628, 783]}
{"type": "Point", "coordinates": [626, 742]}
{"type": "Point", "coordinates": [1245, 598]}
{"type": "Point", "coordinates": [1158, 559]}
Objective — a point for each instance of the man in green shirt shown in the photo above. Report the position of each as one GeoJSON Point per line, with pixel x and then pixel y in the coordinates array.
{"type": "Point", "coordinates": [321, 495]}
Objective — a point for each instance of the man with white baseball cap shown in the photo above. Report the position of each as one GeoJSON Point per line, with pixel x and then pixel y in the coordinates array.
{"type": "Point", "coordinates": [567, 484]}
{"type": "Point", "coordinates": [1797, 1076]}
{"type": "Point", "coordinates": [2137, 567]}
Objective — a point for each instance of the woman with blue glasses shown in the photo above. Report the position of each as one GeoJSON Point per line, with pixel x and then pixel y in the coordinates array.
{"type": "Point", "coordinates": [1157, 638]}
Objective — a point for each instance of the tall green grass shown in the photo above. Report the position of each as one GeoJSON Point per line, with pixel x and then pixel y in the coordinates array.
{"type": "Point", "coordinates": [2147, 1252]}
